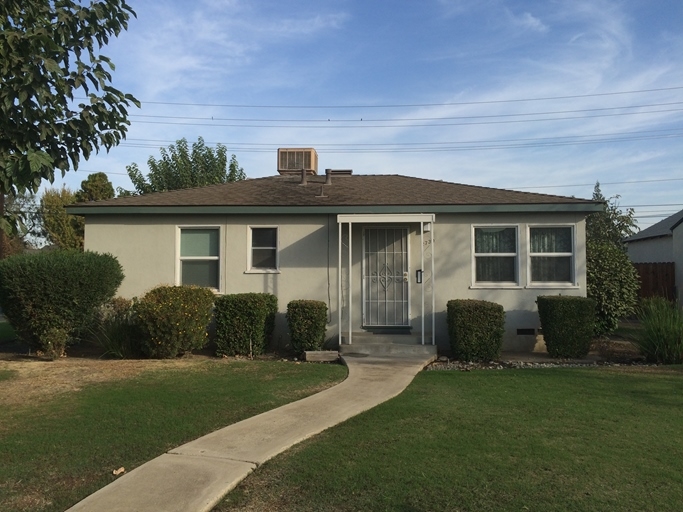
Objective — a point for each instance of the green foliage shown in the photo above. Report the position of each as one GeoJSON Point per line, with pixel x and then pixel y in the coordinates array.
{"type": "Point", "coordinates": [114, 331]}
{"type": "Point", "coordinates": [307, 320]}
{"type": "Point", "coordinates": [56, 290]}
{"type": "Point", "coordinates": [612, 224]}
{"type": "Point", "coordinates": [95, 188]}
{"type": "Point", "coordinates": [53, 342]}
{"type": "Point", "coordinates": [568, 324]}
{"type": "Point", "coordinates": [59, 228]}
{"type": "Point", "coordinates": [244, 323]}
{"type": "Point", "coordinates": [172, 320]}
{"type": "Point", "coordinates": [612, 282]}
{"type": "Point", "coordinates": [23, 220]}
{"type": "Point", "coordinates": [475, 329]}
{"type": "Point", "coordinates": [660, 338]}
{"type": "Point", "coordinates": [49, 53]}
{"type": "Point", "coordinates": [180, 167]}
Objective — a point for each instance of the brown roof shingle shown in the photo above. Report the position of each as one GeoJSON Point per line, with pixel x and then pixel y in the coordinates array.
{"type": "Point", "coordinates": [354, 190]}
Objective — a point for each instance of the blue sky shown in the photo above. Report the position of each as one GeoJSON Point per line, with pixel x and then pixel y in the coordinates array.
{"type": "Point", "coordinates": [546, 96]}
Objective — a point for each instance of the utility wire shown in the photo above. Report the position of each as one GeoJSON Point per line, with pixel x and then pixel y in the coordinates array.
{"type": "Point", "coordinates": [411, 105]}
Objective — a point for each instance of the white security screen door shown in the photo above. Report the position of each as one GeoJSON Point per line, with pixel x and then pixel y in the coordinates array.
{"type": "Point", "coordinates": [385, 277]}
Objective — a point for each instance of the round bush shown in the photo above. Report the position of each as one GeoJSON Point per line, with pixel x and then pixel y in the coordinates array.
{"type": "Point", "coordinates": [172, 320]}
{"type": "Point", "coordinates": [60, 290]}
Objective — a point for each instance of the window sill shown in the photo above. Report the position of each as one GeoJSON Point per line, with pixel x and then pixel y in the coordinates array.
{"type": "Point", "coordinates": [496, 286]}
{"type": "Point", "coordinates": [262, 271]}
{"type": "Point", "coordinates": [559, 286]}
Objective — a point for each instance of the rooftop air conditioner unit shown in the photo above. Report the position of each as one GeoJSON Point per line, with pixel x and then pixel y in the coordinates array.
{"type": "Point", "coordinates": [293, 160]}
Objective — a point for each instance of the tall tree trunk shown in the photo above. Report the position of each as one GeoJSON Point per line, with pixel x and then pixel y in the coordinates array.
{"type": "Point", "coordinates": [2, 233]}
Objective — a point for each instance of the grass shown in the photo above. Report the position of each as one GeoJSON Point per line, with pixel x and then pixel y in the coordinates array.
{"type": "Point", "coordinates": [6, 375]}
{"type": "Point", "coordinates": [540, 440]}
{"type": "Point", "coordinates": [6, 333]}
{"type": "Point", "coordinates": [57, 452]}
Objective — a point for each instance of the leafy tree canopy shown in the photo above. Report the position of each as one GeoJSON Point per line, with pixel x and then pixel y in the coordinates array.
{"type": "Point", "coordinates": [95, 188]}
{"type": "Point", "coordinates": [58, 227]}
{"type": "Point", "coordinates": [181, 167]}
{"type": "Point", "coordinates": [612, 224]}
{"type": "Point", "coordinates": [49, 51]}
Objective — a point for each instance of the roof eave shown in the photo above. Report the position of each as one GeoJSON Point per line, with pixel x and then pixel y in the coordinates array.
{"type": "Point", "coordinates": [333, 209]}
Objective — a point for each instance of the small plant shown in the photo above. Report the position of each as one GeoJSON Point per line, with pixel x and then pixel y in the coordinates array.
{"type": "Point", "coordinates": [307, 320]}
{"type": "Point", "coordinates": [660, 338]}
{"type": "Point", "coordinates": [172, 320]}
{"type": "Point", "coordinates": [114, 331]}
{"type": "Point", "coordinates": [568, 324]}
{"type": "Point", "coordinates": [53, 342]}
{"type": "Point", "coordinates": [475, 329]}
{"type": "Point", "coordinates": [244, 323]}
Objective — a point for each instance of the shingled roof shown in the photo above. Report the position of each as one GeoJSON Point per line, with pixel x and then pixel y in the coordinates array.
{"type": "Point", "coordinates": [659, 229]}
{"type": "Point", "coordinates": [344, 191]}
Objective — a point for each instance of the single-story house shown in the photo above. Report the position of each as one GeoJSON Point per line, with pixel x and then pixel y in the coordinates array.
{"type": "Point", "coordinates": [654, 244]}
{"type": "Point", "coordinates": [384, 252]}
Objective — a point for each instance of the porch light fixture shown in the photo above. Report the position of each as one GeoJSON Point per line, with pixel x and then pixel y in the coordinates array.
{"type": "Point", "coordinates": [427, 227]}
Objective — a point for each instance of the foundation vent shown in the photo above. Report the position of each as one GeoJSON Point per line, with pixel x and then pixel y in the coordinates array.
{"type": "Point", "coordinates": [294, 160]}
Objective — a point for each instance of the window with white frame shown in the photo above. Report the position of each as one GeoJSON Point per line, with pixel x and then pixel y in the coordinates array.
{"type": "Point", "coordinates": [495, 255]}
{"type": "Point", "coordinates": [263, 250]}
{"type": "Point", "coordinates": [200, 257]}
{"type": "Point", "coordinates": [551, 250]}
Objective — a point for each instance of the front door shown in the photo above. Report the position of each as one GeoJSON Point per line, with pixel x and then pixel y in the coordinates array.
{"type": "Point", "coordinates": [385, 277]}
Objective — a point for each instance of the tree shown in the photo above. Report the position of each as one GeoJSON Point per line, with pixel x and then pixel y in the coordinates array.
{"type": "Point", "coordinates": [24, 210]}
{"type": "Point", "coordinates": [49, 51]}
{"type": "Point", "coordinates": [61, 229]}
{"type": "Point", "coordinates": [95, 188]}
{"type": "Point", "coordinates": [181, 168]}
{"type": "Point", "coordinates": [612, 280]}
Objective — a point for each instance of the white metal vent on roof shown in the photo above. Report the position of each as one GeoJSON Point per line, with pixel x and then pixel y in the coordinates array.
{"type": "Point", "coordinates": [291, 160]}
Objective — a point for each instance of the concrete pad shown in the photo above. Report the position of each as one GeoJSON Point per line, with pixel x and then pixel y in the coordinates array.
{"type": "Point", "coordinates": [321, 356]}
{"type": "Point", "coordinates": [202, 471]}
{"type": "Point", "coordinates": [170, 483]}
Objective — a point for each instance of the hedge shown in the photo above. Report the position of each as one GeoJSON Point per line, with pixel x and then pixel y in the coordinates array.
{"type": "Point", "coordinates": [307, 320]}
{"type": "Point", "coordinates": [50, 298]}
{"type": "Point", "coordinates": [475, 329]}
{"type": "Point", "coordinates": [172, 320]}
{"type": "Point", "coordinates": [568, 324]}
{"type": "Point", "coordinates": [244, 323]}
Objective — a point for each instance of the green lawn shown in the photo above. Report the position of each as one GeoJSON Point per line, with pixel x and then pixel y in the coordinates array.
{"type": "Point", "coordinates": [56, 452]}
{"type": "Point", "coordinates": [536, 439]}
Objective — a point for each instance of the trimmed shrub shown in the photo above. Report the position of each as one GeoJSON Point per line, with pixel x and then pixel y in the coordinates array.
{"type": "Point", "coordinates": [172, 320]}
{"type": "Point", "coordinates": [307, 321]}
{"type": "Point", "coordinates": [660, 338]}
{"type": "Point", "coordinates": [244, 323]}
{"type": "Point", "coordinates": [56, 290]}
{"type": "Point", "coordinates": [475, 329]}
{"type": "Point", "coordinates": [612, 282]}
{"type": "Point", "coordinates": [568, 324]}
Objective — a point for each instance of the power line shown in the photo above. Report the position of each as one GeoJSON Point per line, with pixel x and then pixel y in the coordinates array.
{"type": "Point", "coordinates": [412, 105]}
{"type": "Point", "coordinates": [394, 120]}
{"type": "Point", "coordinates": [411, 125]}
{"type": "Point", "coordinates": [605, 183]}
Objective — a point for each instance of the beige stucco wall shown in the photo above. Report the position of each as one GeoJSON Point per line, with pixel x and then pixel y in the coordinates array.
{"type": "Point", "coordinates": [147, 246]}
{"type": "Point", "coordinates": [651, 250]}
{"type": "Point", "coordinates": [677, 244]}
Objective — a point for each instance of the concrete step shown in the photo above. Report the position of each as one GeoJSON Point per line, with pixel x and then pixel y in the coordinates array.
{"type": "Point", "coordinates": [386, 344]}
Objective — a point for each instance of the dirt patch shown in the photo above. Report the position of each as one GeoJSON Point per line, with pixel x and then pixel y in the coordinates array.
{"type": "Point", "coordinates": [34, 379]}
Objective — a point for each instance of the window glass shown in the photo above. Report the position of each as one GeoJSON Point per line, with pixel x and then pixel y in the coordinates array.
{"type": "Point", "coordinates": [495, 255]}
{"type": "Point", "coordinates": [199, 242]}
{"type": "Point", "coordinates": [199, 257]}
{"type": "Point", "coordinates": [264, 248]}
{"type": "Point", "coordinates": [551, 255]}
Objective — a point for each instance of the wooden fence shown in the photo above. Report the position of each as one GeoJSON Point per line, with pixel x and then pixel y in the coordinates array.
{"type": "Point", "coordinates": [657, 280]}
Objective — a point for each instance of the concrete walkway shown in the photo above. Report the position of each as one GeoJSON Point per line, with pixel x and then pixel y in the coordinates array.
{"type": "Point", "coordinates": [196, 475]}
